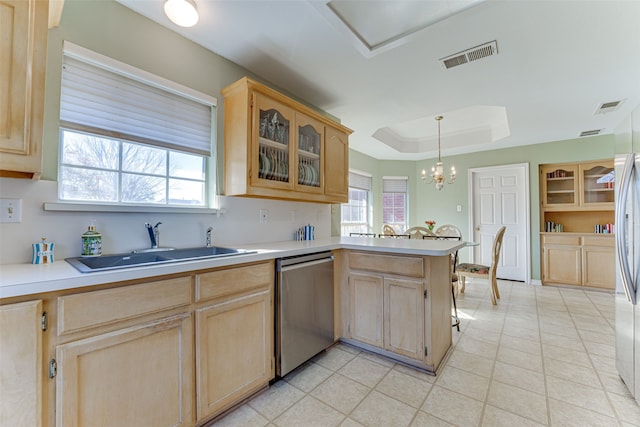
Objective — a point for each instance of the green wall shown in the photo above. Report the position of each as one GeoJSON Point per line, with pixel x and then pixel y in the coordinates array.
{"type": "Point", "coordinates": [425, 202]}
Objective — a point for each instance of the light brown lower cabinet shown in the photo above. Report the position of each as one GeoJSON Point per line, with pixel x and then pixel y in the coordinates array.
{"type": "Point", "coordinates": [167, 351]}
{"type": "Point", "coordinates": [234, 335]}
{"type": "Point", "coordinates": [366, 308]}
{"type": "Point", "coordinates": [404, 317]}
{"type": "Point", "coordinates": [580, 260]}
{"type": "Point", "coordinates": [142, 375]}
{"type": "Point", "coordinates": [399, 306]}
{"type": "Point", "coordinates": [21, 364]}
{"type": "Point", "coordinates": [234, 356]}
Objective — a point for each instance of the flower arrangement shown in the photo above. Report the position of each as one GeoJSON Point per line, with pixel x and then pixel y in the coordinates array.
{"type": "Point", "coordinates": [430, 224]}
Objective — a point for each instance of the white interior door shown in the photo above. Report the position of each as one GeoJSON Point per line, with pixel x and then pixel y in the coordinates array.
{"type": "Point", "coordinates": [500, 196]}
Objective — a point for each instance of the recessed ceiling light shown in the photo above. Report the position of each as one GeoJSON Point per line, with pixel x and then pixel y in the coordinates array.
{"type": "Point", "coordinates": [181, 12]}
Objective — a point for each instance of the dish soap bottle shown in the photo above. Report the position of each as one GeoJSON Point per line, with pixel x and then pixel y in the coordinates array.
{"type": "Point", "coordinates": [91, 242]}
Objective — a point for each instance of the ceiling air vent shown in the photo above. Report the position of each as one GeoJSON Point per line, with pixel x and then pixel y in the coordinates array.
{"type": "Point", "coordinates": [590, 132]}
{"type": "Point", "coordinates": [607, 107]}
{"type": "Point", "coordinates": [469, 55]}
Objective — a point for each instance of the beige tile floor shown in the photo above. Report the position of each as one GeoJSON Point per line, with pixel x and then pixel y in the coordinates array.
{"type": "Point", "coordinates": [542, 356]}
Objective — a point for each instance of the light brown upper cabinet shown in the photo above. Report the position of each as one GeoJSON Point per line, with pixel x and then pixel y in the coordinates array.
{"type": "Point", "coordinates": [577, 186]}
{"type": "Point", "coordinates": [596, 181]}
{"type": "Point", "coordinates": [23, 52]}
{"type": "Point", "coordinates": [275, 147]}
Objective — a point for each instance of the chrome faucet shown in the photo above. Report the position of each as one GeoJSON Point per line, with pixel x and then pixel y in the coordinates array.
{"type": "Point", "coordinates": [208, 240]}
{"type": "Point", "coordinates": [154, 234]}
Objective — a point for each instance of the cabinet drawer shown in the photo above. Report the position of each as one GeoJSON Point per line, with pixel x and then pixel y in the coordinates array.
{"type": "Point", "coordinates": [221, 283]}
{"type": "Point", "coordinates": [390, 264]}
{"type": "Point", "coordinates": [598, 241]}
{"type": "Point", "coordinates": [561, 240]}
{"type": "Point", "coordinates": [86, 310]}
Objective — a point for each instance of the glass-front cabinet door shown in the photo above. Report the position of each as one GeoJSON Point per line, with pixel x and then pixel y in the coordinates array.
{"type": "Point", "coordinates": [559, 185]}
{"type": "Point", "coordinates": [272, 151]}
{"type": "Point", "coordinates": [310, 154]}
{"type": "Point", "coordinates": [597, 181]}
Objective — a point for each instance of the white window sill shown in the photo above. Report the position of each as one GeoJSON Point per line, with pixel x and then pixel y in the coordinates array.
{"type": "Point", "coordinates": [89, 207]}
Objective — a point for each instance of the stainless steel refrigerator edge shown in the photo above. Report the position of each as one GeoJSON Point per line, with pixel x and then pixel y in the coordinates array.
{"type": "Point", "coordinates": [627, 223]}
{"type": "Point", "coordinates": [304, 309]}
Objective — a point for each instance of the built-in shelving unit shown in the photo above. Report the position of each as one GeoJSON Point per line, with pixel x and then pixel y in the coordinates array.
{"type": "Point", "coordinates": [576, 200]}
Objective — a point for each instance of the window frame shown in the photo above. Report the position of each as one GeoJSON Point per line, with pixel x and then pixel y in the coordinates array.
{"type": "Point", "coordinates": [209, 199]}
{"type": "Point", "coordinates": [365, 180]}
{"type": "Point", "coordinates": [392, 184]}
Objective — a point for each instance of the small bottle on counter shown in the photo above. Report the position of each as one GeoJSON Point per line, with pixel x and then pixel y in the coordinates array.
{"type": "Point", "coordinates": [91, 242]}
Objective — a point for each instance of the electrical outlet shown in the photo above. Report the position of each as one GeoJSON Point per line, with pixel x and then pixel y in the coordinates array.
{"type": "Point", "coordinates": [264, 215]}
{"type": "Point", "coordinates": [10, 210]}
{"type": "Point", "coordinates": [459, 208]}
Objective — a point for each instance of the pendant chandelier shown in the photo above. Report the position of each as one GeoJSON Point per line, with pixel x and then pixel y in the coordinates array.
{"type": "Point", "coordinates": [437, 171]}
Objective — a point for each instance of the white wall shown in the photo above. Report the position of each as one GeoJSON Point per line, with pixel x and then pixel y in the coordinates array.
{"type": "Point", "coordinates": [123, 232]}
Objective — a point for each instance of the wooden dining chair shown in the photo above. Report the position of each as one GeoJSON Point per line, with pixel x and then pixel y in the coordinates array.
{"type": "Point", "coordinates": [419, 232]}
{"type": "Point", "coordinates": [448, 230]}
{"type": "Point", "coordinates": [483, 271]}
{"type": "Point", "coordinates": [387, 229]}
{"type": "Point", "coordinates": [394, 236]}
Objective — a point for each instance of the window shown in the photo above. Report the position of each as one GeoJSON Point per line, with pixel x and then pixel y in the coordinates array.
{"type": "Point", "coordinates": [355, 213]}
{"type": "Point", "coordinates": [129, 137]}
{"type": "Point", "coordinates": [394, 202]}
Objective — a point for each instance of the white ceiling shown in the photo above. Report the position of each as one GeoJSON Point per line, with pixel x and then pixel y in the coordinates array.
{"type": "Point", "coordinates": [557, 62]}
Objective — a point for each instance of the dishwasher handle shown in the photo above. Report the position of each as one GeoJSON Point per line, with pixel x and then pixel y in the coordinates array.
{"type": "Point", "coordinates": [305, 264]}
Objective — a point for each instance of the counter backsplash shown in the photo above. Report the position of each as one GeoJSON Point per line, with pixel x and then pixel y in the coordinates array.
{"type": "Point", "coordinates": [124, 232]}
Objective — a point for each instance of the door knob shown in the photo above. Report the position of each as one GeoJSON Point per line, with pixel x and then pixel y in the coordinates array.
{"type": "Point", "coordinates": [478, 228]}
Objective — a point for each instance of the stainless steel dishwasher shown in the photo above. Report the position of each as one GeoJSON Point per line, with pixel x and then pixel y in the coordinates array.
{"type": "Point", "coordinates": [304, 309]}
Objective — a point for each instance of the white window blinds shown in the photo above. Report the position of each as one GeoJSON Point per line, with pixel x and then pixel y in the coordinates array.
{"type": "Point", "coordinates": [394, 184]}
{"type": "Point", "coordinates": [102, 96]}
{"type": "Point", "coordinates": [359, 180]}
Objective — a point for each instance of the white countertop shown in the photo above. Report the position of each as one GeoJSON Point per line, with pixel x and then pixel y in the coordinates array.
{"type": "Point", "coordinates": [27, 279]}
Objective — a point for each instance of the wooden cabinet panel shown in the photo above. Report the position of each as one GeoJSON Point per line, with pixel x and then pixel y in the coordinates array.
{"type": "Point", "coordinates": [234, 355]}
{"type": "Point", "coordinates": [21, 364]}
{"type": "Point", "coordinates": [366, 308]}
{"type": "Point", "coordinates": [390, 264]}
{"type": "Point", "coordinates": [562, 264]}
{"type": "Point", "coordinates": [560, 239]}
{"type": "Point", "coordinates": [139, 376]}
{"type": "Point", "coordinates": [236, 280]}
{"type": "Point", "coordinates": [23, 51]}
{"type": "Point", "coordinates": [598, 266]}
{"type": "Point", "coordinates": [336, 165]}
{"type": "Point", "coordinates": [404, 317]}
{"type": "Point", "coordinates": [90, 309]}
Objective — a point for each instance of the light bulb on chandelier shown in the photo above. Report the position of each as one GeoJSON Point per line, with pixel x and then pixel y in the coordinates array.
{"type": "Point", "coordinates": [437, 171]}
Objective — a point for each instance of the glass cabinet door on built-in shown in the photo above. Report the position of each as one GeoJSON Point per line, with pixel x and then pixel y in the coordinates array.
{"type": "Point", "coordinates": [559, 185]}
{"type": "Point", "coordinates": [597, 184]}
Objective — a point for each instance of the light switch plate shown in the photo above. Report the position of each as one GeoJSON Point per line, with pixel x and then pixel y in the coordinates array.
{"type": "Point", "coordinates": [10, 210]}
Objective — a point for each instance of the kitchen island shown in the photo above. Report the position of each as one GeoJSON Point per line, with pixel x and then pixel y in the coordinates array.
{"type": "Point", "coordinates": [185, 341]}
